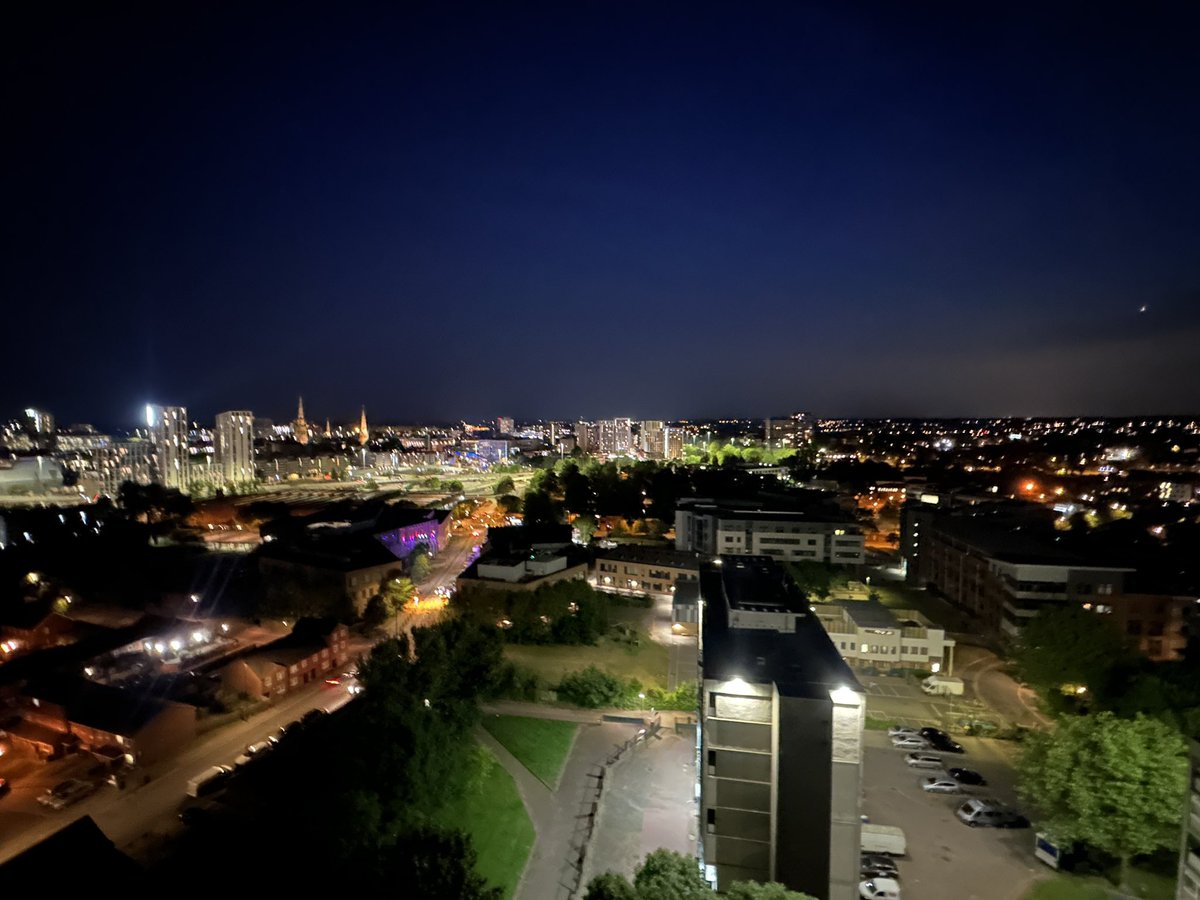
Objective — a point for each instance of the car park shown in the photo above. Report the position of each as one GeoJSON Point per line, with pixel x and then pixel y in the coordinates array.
{"type": "Point", "coordinates": [924, 761]}
{"type": "Point", "coordinates": [980, 813]}
{"type": "Point", "coordinates": [910, 742]}
{"type": "Point", "coordinates": [967, 776]}
{"type": "Point", "coordinates": [941, 741]}
{"type": "Point", "coordinates": [940, 784]}
{"type": "Point", "coordinates": [876, 865]}
{"type": "Point", "coordinates": [66, 793]}
{"type": "Point", "coordinates": [879, 889]}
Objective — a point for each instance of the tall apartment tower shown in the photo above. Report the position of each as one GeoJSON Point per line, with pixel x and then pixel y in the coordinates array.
{"type": "Point", "coordinates": [652, 437]}
{"type": "Point", "coordinates": [585, 436]}
{"type": "Point", "coordinates": [169, 433]}
{"type": "Point", "coordinates": [781, 720]}
{"type": "Point", "coordinates": [300, 426]}
{"type": "Point", "coordinates": [504, 425]}
{"type": "Point", "coordinates": [673, 443]}
{"type": "Point", "coordinates": [235, 446]}
{"type": "Point", "coordinates": [793, 431]}
{"type": "Point", "coordinates": [616, 436]}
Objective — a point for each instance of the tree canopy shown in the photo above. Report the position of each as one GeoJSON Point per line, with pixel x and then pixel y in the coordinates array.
{"type": "Point", "coordinates": [1069, 645]}
{"type": "Point", "coordinates": [666, 875]}
{"type": "Point", "coordinates": [1114, 784]}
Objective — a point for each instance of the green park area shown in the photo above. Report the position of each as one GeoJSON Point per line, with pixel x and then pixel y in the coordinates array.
{"type": "Point", "coordinates": [492, 813]}
{"type": "Point", "coordinates": [1142, 884]}
{"type": "Point", "coordinates": [637, 657]}
{"type": "Point", "coordinates": [542, 745]}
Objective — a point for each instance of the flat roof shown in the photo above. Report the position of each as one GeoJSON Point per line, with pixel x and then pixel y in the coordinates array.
{"type": "Point", "coordinates": [802, 663]}
{"type": "Point", "coordinates": [868, 613]}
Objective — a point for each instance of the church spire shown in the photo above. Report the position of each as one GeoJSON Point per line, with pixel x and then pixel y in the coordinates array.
{"type": "Point", "coordinates": [300, 426]}
{"type": "Point", "coordinates": [363, 433]}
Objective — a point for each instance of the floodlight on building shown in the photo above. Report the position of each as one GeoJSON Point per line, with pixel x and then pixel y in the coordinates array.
{"type": "Point", "coordinates": [935, 667]}
{"type": "Point", "coordinates": [843, 694]}
{"type": "Point", "coordinates": [737, 684]}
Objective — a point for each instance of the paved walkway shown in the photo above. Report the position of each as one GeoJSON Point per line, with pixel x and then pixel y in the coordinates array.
{"type": "Point", "coordinates": [647, 801]}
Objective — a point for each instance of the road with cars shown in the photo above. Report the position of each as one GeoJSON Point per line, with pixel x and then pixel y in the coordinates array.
{"type": "Point", "coordinates": [131, 815]}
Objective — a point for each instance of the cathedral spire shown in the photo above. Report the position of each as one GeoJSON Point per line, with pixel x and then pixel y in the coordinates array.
{"type": "Point", "coordinates": [300, 426]}
{"type": "Point", "coordinates": [363, 433]}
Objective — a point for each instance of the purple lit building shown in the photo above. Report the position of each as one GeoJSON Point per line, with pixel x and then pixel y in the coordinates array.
{"type": "Point", "coordinates": [400, 529]}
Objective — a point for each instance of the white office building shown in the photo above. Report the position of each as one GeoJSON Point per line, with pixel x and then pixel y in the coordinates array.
{"type": "Point", "coordinates": [169, 432]}
{"type": "Point", "coordinates": [713, 527]}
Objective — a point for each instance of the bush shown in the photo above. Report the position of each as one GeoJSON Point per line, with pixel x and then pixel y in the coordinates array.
{"type": "Point", "coordinates": [641, 601]}
{"type": "Point", "coordinates": [591, 688]}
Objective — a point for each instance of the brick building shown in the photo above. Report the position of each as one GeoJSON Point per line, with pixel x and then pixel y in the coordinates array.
{"type": "Point", "coordinates": [315, 648]}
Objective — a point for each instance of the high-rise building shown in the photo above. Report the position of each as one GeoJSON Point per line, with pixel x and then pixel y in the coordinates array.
{"type": "Point", "coordinates": [586, 436]}
{"type": "Point", "coordinates": [652, 438]}
{"type": "Point", "coordinates": [673, 443]}
{"type": "Point", "coordinates": [122, 461]}
{"type": "Point", "coordinates": [364, 433]}
{"type": "Point", "coordinates": [169, 433]}
{"type": "Point", "coordinates": [781, 736]}
{"type": "Point", "coordinates": [793, 431]}
{"type": "Point", "coordinates": [300, 426]}
{"type": "Point", "coordinates": [235, 446]}
{"type": "Point", "coordinates": [504, 425]}
{"type": "Point", "coordinates": [616, 436]}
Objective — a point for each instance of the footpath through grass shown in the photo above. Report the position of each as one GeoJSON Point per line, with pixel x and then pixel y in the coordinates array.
{"type": "Point", "coordinates": [493, 814]}
{"type": "Point", "coordinates": [542, 745]}
{"type": "Point", "coordinates": [646, 662]}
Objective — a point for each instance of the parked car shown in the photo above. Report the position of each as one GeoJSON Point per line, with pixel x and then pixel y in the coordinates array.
{"type": "Point", "coordinates": [910, 742]}
{"type": "Point", "coordinates": [311, 716]}
{"type": "Point", "coordinates": [924, 761]}
{"type": "Point", "coordinates": [66, 793]}
{"type": "Point", "coordinates": [284, 731]}
{"type": "Point", "coordinates": [208, 780]}
{"type": "Point", "coordinates": [941, 741]}
{"type": "Point", "coordinates": [879, 889]}
{"type": "Point", "coordinates": [902, 731]}
{"type": "Point", "coordinates": [876, 865]}
{"type": "Point", "coordinates": [253, 752]}
{"type": "Point", "coordinates": [197, 813]}
{"type": "Point", "coordinates": [990, 814]}
{"type": "Point", "coordinates": [883, 840]}
{"type": "Point", "coordinates": [967, 776]}
{"type": "Point", "coordinates": [940, 784]}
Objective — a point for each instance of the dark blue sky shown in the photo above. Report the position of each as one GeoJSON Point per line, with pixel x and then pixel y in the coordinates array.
{"type": "Point", "coordinates": [659, 210]}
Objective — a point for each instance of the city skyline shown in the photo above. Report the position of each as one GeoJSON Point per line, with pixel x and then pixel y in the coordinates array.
{"type": "Point", "coordinates": [886, 212]}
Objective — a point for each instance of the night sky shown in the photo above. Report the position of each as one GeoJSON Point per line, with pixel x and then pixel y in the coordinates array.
{"type": "Point", "coordinates": [658, 210]}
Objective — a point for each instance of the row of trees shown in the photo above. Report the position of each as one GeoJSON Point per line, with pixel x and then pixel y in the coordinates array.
{"type": "Point", "coordinates": [1112, 774]}
{"type": "Point", "coordinates": [568, 612]}
{"type": "Point", "coordinates": [364, 793]}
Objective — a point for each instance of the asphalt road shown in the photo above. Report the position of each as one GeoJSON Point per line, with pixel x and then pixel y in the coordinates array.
{"type": "Point", "coordinates": [126, 816]}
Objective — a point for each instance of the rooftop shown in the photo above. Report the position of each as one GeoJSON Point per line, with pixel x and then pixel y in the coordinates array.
{"type": "Point", "coordinates": [98, 706]}
{"type": "Point", "coordinates": [802, 663]}
{"type": "Point", "coordinates": [659, 556]}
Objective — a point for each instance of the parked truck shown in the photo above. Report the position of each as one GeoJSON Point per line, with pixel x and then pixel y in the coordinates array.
{"type": "Point", "coordinates": [884, 839]}
{"type": "Point", "coordinates": [943, 684]}
{"type": "Point", "coordinates": [208, 780]}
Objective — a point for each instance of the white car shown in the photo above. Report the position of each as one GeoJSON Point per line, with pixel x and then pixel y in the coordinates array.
{"type": "Point", "coordinates": [940, 784]}
{"type": "Point", "coordinates": [923, 761]}
{"type": "Point", "coordinates": [910, 742]}
{"type": "Point", "coordinates": [902, 731]}
{"type": "Point", "coordinates": [879, 889]}
{"type": "Point", "coordinates": [253, 752]}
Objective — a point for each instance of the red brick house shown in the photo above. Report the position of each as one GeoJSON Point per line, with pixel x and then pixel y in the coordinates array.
{"type": "Point", "coordinates": [315, 648]}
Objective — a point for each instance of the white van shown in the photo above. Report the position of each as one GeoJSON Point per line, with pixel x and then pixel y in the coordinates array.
{"type": "Point", "coordinates": [884, 839]}
{"type": "Point", "coordinates": [208, 780]}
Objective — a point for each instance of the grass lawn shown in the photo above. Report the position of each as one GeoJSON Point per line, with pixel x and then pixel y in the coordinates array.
{"type": "Point", "coordinates": [541, 745]}
{"type": "Point", "coordinates": [1069, 887]}
{"type": "Point", "coordinates": [495, 818]}
{"type": "Point", "coordinates": [646, 662]}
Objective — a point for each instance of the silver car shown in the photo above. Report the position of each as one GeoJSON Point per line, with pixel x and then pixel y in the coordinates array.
{"type": "Point", "coordinates": [65, 793]}
{"type": "Point", "coordinates": [910, 742]}
{"type": "Point", "coordinates": [940, 784]}
{"type": "Point", "coordinates": [923, 761]}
